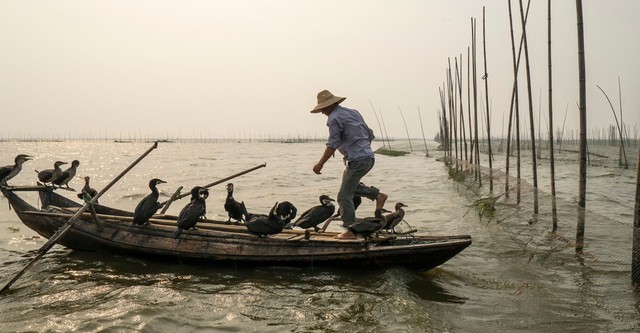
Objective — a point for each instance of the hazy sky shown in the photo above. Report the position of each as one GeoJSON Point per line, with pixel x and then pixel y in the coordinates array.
{"type": "Point", "coordinates": [254, 67]}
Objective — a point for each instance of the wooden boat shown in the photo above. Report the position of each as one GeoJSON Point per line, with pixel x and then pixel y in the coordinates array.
{"type": "Point", "coordinates": [215, 241]}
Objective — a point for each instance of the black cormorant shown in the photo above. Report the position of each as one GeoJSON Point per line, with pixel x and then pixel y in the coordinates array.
{"type": "Point", "coordinates": [286, 211]}
{"type": "Point", "coordinates": [315, 215]}
{"type": "Point", "coordinates": [193, 211]}
{"type": "Point", "coordinates": [10, 171]}
{"type": "Point", "coordinates": [395, 217]}
{"type": "Point", "coordinates": [369, 225]}
{"type": "Point", "coordinates": [235, 209]}
{"type": "Point", "coordinates": [264, 225]}
{"type": "Point", "coordinates": [87, 189]}
{"type": "Point", "coordinates": [149, 205]}
{"type": "Point", "coordinates": [67, 175]}
{"type": "Point", "coordinates": [49, 175]}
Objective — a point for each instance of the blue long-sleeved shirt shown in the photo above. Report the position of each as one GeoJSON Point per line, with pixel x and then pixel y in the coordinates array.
{"type": "Point", "coordinates": [349, 134]}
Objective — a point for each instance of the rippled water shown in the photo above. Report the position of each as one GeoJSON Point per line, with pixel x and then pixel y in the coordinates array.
{"type": "Point", "coordinates": [515, 277]}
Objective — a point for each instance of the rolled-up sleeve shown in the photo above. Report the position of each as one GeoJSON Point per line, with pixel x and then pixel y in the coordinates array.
{"type": "Point", "coordinates": [335, 133]}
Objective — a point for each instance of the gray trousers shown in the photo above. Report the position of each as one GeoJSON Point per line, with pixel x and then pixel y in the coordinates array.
{"type": "Point", "coordinates": [351, 186]}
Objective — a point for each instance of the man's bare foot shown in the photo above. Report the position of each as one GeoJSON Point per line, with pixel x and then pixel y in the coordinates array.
{"type": "Point", "coordinates": [346, 235]}
{"type": "Point", "coordinates": [380, 200]}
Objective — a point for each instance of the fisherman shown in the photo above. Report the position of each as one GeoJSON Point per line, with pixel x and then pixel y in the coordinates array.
{"type": "Point", "coordinates": [350, 135]}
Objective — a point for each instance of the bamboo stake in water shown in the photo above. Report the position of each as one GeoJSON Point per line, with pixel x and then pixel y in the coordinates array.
{"type": "Point", "coordinates": [406, 128]}
{"type": "Point", "coordinates": [534, 163]}
{"type": "Point", "coordinates": [626, 164]}
{"type": "Point", "coordinates": [486, 88]}
{"type": "Point", "coordinates": [582, 82]}
{"type": "Point", "coordinates": [423, 137]}
{"type": "Point", "coordinates": [554, 209]}
{"type": "Point", "coordinates": [475, 101]}
{"type": "Point", "coordinates": [635, 257]}
{"type": "Point", "coordinates": [515, 102]}
{"type": "Point", "coordinates": [464, 134]}
{"type": "Point", "coordinates": [379, 126]}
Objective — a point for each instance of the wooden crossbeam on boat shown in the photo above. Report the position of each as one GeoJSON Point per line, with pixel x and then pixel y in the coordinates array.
{"type": "Point", "coordinates": [27, 188]}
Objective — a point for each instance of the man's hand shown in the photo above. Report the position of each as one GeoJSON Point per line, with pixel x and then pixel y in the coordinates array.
{"type": "Point", "coordinates": [317, 168]}
{"type": "Point", "coordinates": [328, 152]}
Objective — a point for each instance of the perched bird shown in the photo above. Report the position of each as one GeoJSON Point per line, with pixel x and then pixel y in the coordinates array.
{"type": "Point", "coordinates": [235, 209]}
{"type": "Point", "coordinates": [149, 205]}
{"type": "Point", "coordinates": [49, 175]}
{"type": "Point", "coordinates": [193, 211]}
{"type": "Point", "coordinates": [370, 225]}
{"type": "Point", "coordinates": [87, 189]}
{"type": "Point", "coordinates": [395, 217]}
{"type": "Point", "coordinates": [264, 225]}
{"type": "Point", "coordinates": [286, 211]}
{"type": "Point", "coordinates": [10, 171]}
{"type": "Point", "coordinates": [315, 215]}
{"type": "Point", "coordinates": [67, 175]}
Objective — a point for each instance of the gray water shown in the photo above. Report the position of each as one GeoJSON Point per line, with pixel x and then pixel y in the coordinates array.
{"type": "Point", "coordinates": [517, 276]}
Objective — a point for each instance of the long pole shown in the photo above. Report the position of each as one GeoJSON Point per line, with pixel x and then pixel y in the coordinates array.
{"type": "Point", "coordinates": [65, 229]}
{"type": "Point", "coordinates": [554, 209]}
{"type": "Point", "coordinates": [486, 95]}
{"type": "Point", "coordinates": [475, 101]}
{"type": "Point", "coordinates": [635, 257]}
{"type": "Point", "coordinates": [582, 82]}
{"type": "Point", "coordinates": [217, 182]}
{"type": "Point", "coordinates": [423, 137]}
{"type": "Point", "coordinates": [464, 134]}
{"type": "Point", "coordinates": [531, 120]}
{"type": "Point", "coordinates": [406, 128]}
{"type": "Point", "coordinates": [379, 126]}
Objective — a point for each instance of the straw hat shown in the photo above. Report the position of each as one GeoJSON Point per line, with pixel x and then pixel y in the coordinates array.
{"type": "Point", "coordinates": [325, 99]}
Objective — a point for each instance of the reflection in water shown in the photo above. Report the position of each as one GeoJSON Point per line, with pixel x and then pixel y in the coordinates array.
{"type": "Point", "coordinates": [428, 288]}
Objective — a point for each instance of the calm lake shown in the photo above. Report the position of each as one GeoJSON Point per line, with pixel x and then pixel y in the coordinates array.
{"type": "Point", "coordinates": [517, 276]}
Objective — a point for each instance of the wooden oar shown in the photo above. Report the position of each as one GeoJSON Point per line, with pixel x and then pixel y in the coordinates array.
{"type": "Point", "coordinates": [217, 182]}
{"type": "Point", "coordinates": [65, 229]}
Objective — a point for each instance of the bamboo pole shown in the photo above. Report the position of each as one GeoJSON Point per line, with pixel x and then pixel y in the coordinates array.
{"type": "Point", "coordinates": [471, 150]}
{"type": "Point", "coordinates": [582, 82]}
{"type": "Point", "coordinates": [552, 169]}
{"type": "Point", "coordinates": [452, 112]}
{"type": "Point", "coordinates": [626, 164]}
{"type": "Point", "coordinates": [379, 126]}
{"type": "Point", "coordinates": [635, 257]}
{"type": "Point", "coordinates": [464, 134]}
{"type": "Point", "coordinates": [385, 129]}
{"type": "Point", "coordinates": [423, 137]}
{"type": "Point", "coordinates": [475, 101]}
{"type": "Point", "coordinates": [406, 128]}
{"type": "Point", "coordinates": [486, 95]}
{"type": "Point", "coordinates": [534, 163]}
{"type": "Point", "coordinates": [214, 183]}
{"type": "Point", "coordinates": [172, 199]}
